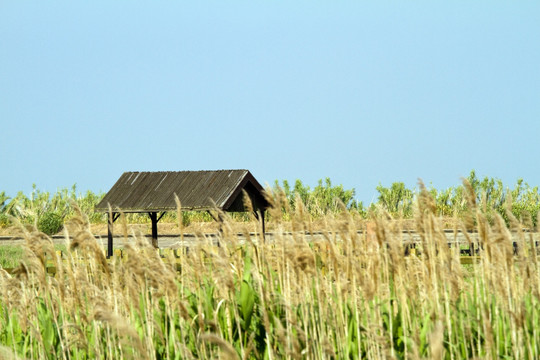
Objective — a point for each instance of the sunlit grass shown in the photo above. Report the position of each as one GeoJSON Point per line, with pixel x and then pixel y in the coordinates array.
{"type": "Point", "coordinates": [10, 256]}
{"type": "Point", "coordinates": [348, 296]}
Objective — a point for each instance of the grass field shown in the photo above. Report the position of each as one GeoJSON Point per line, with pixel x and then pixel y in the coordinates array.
{"type": "Point", "coordinates": [355, 298]}
{"type": "Point", "coordinates": [10, 256]}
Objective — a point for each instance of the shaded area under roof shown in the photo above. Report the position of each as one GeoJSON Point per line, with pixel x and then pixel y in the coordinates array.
{"type": "Point", "coordinates": [197, 190]}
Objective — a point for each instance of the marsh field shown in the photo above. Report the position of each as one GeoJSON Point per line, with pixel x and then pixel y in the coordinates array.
{"type": "Point", "coordinates": [349, 297]}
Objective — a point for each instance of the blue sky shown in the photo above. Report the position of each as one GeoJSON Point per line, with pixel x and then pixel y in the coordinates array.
{"type": "Point", "coordinates": [360, 92]}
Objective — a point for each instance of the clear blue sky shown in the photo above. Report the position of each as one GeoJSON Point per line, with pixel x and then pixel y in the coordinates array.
{"type": "Point", "coordinates": [360, 92]}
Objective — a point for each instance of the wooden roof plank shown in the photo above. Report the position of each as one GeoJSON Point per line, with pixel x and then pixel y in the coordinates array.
{"type": "Point", "coordinates": [197, 190]}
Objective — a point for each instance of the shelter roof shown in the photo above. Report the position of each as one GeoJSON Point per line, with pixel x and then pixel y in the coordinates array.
{"type": "Point", "coordinates": [197, 190]}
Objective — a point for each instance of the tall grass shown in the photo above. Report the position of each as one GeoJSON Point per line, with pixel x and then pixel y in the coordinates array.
{"type": "Point", "coordinates": [352, 295]}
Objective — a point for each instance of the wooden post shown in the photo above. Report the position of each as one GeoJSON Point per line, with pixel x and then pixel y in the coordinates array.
{"type": "Point", "coordinates": [263, 213]}
{"type": "Point", "coordinates": [110, 235]}
{"type": "Point", "coordinates": [259, 215]}
{"type": "Point", "coordinates": [154, 219]}
{"type": "Point", "coordinates": [219, 220]}
{"type": "Point", "coordinates": [111, 219]}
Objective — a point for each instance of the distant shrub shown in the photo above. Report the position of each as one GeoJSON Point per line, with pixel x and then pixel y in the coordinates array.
{"type": "Point", "coordinates": [50, 223]}
{"type": "Point", "coordinates": [4, 221]}
{"type": "Point", "coordinates": [396, 199]}
{"type": "Point", "coordinates": [322, 199]}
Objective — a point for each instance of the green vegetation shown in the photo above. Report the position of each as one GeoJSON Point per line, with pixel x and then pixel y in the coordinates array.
{"type": "Point", "coordinates": [10, 256]}
{"type": "Point", "coordinates": [47, 211]}
{"type": "Point", "coordinates": [522, 201]}
{"type": "Point", "coordinates": [323, 199]}
{"type": "Point", "coordinates": [50, 223]}
{"type": "Point", "coordinates": [397, 199]}
{"type": "Point", "coordinates": [352, 297]}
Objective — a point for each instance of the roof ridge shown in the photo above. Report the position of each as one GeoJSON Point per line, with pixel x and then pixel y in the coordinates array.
{"type": "Point", "coordinates": [178, 171]}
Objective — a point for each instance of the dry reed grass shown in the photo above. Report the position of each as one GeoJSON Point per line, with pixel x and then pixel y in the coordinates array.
{"type": "Point", "coordinates": [352, 295]}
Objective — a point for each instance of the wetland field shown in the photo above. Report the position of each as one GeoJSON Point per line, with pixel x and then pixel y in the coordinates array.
{"type": "Point", "coordinates": [356, 297]}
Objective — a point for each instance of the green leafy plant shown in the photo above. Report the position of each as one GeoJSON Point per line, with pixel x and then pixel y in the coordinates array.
{"type": "Point", "coordinates": [50, 223]}
{"type": "Point", "coordinates": [4, 218]}
{"type": "Point", "coordinates": [396, 199]}
{"type": "Point", "coordinates": [323, 199]}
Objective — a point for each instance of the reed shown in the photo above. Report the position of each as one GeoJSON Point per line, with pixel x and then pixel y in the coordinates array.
{"type": "Point", "coordinates": [352, 295]}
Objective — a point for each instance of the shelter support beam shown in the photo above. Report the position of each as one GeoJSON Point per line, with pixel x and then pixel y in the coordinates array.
{"type": "Point", "coordinates": [111, 219]}
{"type": "Point", "coordinates": [260, 215]}
{"type": "Point", "coordinates": [263, 215]}
{"type": "Point", "coordinates": [155, 219]}
{"type": "Point", "coordinates": [219, 219]}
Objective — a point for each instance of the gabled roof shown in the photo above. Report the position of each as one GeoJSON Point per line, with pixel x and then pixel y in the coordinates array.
{"type": "Point", "coordinates": [197, 190]}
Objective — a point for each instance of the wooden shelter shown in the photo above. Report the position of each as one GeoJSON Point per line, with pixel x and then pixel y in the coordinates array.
{"type": "Point", "coordinates": [154, 193]}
